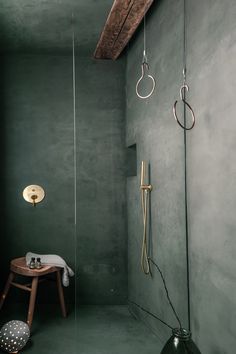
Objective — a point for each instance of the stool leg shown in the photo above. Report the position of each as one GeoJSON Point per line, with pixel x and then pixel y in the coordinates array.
{"type": "Point", "coordinates": [6, 289]}
{"type": "Point", "coordinates": [32, 301]}
{"type": "Point", "coordinates": [61, 294]}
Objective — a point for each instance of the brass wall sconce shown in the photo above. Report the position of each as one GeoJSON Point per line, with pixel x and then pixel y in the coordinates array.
{"type": "Point", "coordinates": [33, 194]}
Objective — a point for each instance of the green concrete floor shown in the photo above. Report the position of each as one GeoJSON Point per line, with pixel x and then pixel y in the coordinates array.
{"type": "Point", "coordinates": [96, 330]}
{"type": "Point", "coordinates": [113, 330]}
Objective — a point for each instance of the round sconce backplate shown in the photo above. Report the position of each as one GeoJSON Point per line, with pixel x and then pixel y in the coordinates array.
{"type": "Point", "coordinates": [33, 194]}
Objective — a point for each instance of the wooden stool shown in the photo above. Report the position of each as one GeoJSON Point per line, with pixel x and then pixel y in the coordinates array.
{"type": "Point", "coordinates": [19, 266]}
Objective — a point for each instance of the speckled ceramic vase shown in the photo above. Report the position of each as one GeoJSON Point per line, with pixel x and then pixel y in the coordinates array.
{"type": "Point", "coordinates": [180, 343]}
{"type": "Point", "coordinates": [13, 336]}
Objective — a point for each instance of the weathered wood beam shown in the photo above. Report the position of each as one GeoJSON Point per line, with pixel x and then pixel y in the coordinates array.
{"type": "Point", "coordinates": [122, 21]}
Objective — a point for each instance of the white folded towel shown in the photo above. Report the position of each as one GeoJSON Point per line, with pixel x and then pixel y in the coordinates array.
{"type": "Point", "coordinates": [55, 261]}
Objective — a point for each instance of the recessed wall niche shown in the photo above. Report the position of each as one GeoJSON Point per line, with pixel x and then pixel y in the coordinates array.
{"type": "Point", "coordinates": [131, 160]}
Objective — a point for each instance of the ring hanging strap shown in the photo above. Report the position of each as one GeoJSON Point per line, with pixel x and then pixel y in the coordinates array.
{"type": "Point", "coordinates": [184, 87]}
{"type": "Point", "coordinates": [143, 67]}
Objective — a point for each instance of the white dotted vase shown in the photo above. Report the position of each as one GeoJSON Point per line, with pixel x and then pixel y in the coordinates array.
{"type": "Point", "coordinates": [13, 336]}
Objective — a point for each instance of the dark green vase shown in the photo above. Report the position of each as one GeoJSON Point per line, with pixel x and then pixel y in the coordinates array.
{"type": "Point", "coordinates": [180, 343]}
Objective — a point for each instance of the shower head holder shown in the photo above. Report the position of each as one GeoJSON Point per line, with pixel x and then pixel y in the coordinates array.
{"type": "Point", "coordinates": [146, 187]}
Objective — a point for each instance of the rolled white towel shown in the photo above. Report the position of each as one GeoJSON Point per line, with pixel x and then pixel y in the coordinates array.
{"type": "Point", "coordinates": [54, 261]}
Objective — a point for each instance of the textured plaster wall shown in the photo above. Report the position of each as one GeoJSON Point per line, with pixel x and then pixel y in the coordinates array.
{"type": "Point", "coordinates": [37, 148]}
{"type": "Point", "coordinates": [211, 173]}
{"type": "Point", "coordinates": [211, 49]}
{"type": "Point", "coordinates": [37, 142]}
{"type": "Point", "coordinates": [159, 140]}
{"type": "Point", "coordinates": [101, 198]}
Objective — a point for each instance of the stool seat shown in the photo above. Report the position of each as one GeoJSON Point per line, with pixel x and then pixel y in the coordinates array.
{"type": "Point", "coordinates": [18, 266]}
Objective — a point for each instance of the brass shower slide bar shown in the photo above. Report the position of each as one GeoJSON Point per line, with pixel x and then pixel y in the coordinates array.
{"type": "Point", "coordinates": [145, 191]}
{"type": "Point", "coordinates": [143, 175]}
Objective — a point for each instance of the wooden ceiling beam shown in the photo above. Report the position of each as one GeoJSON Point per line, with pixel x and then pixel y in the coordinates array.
{"type": "Point", "coordinates": [122, 21]}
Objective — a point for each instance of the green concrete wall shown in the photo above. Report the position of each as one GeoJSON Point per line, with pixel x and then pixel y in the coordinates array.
{"type": "Point", "coordinates": [211, 35]}
{"type": "Point", "coordinates": [211, 173]}
{"type": "Point", "coordinates": [101, 197]}
{"type": "Point", "coordinates": [37, 148]}
{"type": "Point", "coordinates": [150, 124]}
{"type": "Point", "coordinates": [37, 140]}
